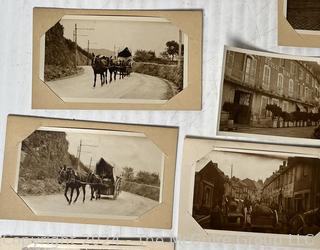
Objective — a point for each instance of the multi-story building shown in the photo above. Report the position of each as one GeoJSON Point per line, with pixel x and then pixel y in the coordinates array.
{"type": "Point", "coordinates": [208, 188]}
{"type": "Point", "coordinates": [295, 185]}
{"type": "Point", "coordinates": [253, 81]}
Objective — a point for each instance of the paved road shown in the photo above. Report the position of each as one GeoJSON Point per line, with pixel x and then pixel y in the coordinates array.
{"type": "Point", "coordinates": [300, 132]}
{"type": "Point", "coordinates": [135, 86]}
{"type": "Point", "coordinates": [126, 204]}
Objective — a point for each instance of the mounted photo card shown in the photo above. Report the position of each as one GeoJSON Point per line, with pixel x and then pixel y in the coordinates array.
{"type": "Point", "coordinates": [116, 59]}
{"type": "Point", "coordinates": [250, 193]}
{"type": "Point", "coordinates": [299, 23]}
{"type": "Point", "coordinates": [269, 96]}
{"type": "Point", "coordinates": [88, 172]}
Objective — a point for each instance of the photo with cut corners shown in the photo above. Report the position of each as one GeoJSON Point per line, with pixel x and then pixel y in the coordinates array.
{"type": "Point", "coordinates": [303, 15]}
{"type": "Point", "coordinates": [89, 173]}
{"type": "Point", "coordinates": [114, 59]}
{"type": "Point", "coordinates": [269, 94]}
{"type": "Point", "coordinates": [257, 191]}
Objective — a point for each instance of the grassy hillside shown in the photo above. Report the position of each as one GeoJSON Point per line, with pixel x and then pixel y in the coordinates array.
{"type": "Point", "coordinates": [42, 155]}
{"type": "Point", "coordinates": [60, 55]}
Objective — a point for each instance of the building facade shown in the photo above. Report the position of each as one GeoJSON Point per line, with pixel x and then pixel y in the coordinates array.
{"type": "Point", "coordinates": [252, 82]}
{"type": "Point", "coordinates": [208, 189]}
{"type": "Point", "coordinates": [295, 186]}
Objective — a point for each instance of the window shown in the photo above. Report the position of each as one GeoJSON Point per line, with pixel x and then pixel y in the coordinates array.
{"type": "Point", "coordinates": [280, 84]}
{"type": "Point", "coordinates": [300, 74]}
{"type": "Point", "coordinates": [282, 62]}
{"type": "Point", "coordinates": [275, 101]}
{"type": "Point", "coordinates": [206, 198]}
{"type": "Point", "coordinates": [266, 77]}
{"type": "Point", "coordinates": [301, 90]}
{"type": "Point", "coordinates": [291, 87]}
{"type": "Point", "coordinates": [250, 70]}
{"type": "Point", "coordinates": [247, 69]}
{"type": "Point", "coordinates": [229, 62]}
{"type": "Point", "coordinates": [306, 92]}
{"type": "Point", "coordinates": [264, 103]}
{"type": "Point", "coordinates": [285, 106]}
{"type": "Point", "coordinates": [292, 68]}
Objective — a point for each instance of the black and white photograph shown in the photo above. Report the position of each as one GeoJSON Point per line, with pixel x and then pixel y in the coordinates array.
{"type": "Point", "coordinates": [89, 173]}
{"type": "Point", "coordinates": [270, 94]}
{"type": "Point", "coordinates": [116, 59]}
{"type": "Point", "coordinates": [304, 15]}
{"type": "Point", "coordinates": [257, 191]}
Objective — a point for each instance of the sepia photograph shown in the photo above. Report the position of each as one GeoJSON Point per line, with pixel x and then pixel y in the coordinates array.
{"type": "Point", "coordinates": [303, 15]}
{"type": "Point", "coordinates": [89, 173]}
{"type": "Point", "coordinates": [97, 59]}
{"type": "Point", "coordinates": [256, 191]}
{"type": "Point", "coordinates": [269, 94]}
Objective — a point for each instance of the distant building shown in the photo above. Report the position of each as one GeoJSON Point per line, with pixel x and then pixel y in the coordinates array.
{"type": "Point", "coordinates": [252, 82]}
{"type": "Point", "coordinates": [252, 190]}
{"type": "Point", "coordinates": [295, 185]}
{"type": "Point", "coordinates": [208, 188]}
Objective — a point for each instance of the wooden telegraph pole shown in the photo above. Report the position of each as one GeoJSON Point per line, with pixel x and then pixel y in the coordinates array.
{"type": "Point", "coordinates": [76, 43]}
{"type": "Point", "coordinates": [180, 47]}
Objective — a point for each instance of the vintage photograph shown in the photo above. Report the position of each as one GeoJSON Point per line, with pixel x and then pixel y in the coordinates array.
{"type": "Point", "coordinates": [257, 191]}
{"type": "Point", "coordinates": [89, 173]}
{"type": "Point", "coordinates": [268, 94]}
{"type": "Point", "coordinates": [304, 14]}
{"type": "Point", "coordinates": [98, 59]}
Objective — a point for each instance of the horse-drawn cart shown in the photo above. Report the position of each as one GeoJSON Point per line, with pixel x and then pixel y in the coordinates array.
{"type": "Point", "coordinates": [110, 184]}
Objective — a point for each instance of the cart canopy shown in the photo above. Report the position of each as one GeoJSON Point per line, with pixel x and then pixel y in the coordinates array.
{"type": "Point", "coordinates": [104, 169]}
{"type": "Point", "coordinates": [125, 53]}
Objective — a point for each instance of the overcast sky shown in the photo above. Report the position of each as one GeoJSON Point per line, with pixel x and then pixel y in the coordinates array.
{"type": "Point", "coordinates": [252, 166]}
{"type": "Point", "coordinates": [124, 151]}
{"type": "Point", "coordinates": [132, 33]}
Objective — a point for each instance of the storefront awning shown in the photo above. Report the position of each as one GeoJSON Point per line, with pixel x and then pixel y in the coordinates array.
{"type": "Point", "coordinates": [300, 106]}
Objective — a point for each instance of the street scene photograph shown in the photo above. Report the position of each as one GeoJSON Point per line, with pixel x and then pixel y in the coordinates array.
{"type": "Point", "coordinates": [102, 59]}
{"type": "Point", "coordinates": [257, 191]}
{"type": "Point", "coordinates": [304, 14]}
{"type": "Point", "coordinates": [89, 173]}
{"type": "Point", "coordinates": [270, 95]}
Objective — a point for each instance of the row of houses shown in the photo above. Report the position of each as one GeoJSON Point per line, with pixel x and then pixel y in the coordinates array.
{"type": "Point", "coordinates": [212, 187]}
{"type": "Point", "coordinates": [295, 185]}
{"type": "Point", "coordinates": [252, 82]}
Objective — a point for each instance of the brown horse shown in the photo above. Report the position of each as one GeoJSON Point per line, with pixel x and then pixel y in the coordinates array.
{"type": "Point", "coordinates": [95, 183]}
{"type": "Point", "coordinates": [99, 65]}
{"type": "Point", "coordinates": [72, 181]}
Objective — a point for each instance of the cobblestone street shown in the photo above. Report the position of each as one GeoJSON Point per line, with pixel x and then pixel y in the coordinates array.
{"type": "Point", "coordinates": [300, 132]}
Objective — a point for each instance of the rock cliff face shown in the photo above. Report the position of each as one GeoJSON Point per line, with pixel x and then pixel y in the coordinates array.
{"type": "Point", "coordinates": [60, 55]}
{"type": "Point", "coordinates": [42, 155]}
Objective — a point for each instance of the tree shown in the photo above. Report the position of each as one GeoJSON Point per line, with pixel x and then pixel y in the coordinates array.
{"type": "Point", "coordinates": [144, 56]}
{"type": "Point", "coordinates": [145, 177]}
{"type": "Point", "coordinates": [164, 55]}
{"type": "Point", "coordinates": [128, 173]}
{"type": "Point", "coordinates": [172, 48]}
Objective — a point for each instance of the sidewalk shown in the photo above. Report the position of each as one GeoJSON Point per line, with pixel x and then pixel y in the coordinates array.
{"type": "Point", "coordinates": [300, 132]}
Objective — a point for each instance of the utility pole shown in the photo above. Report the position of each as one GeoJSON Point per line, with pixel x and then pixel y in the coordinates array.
{"type": "Point", "coordinates": [76, 43]}
{"type": "Point", "coordinates": [75, 36]}
{"type": "Point", "coordinates": [80, 151]}
{"type": "Point", "coordinates": [88, 49]}
{"type": "Point", "coordinates": [180, 48]}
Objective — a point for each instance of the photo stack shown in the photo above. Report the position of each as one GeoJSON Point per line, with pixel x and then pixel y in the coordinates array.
{"type": "Point", "coordinates": [250, 138]}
